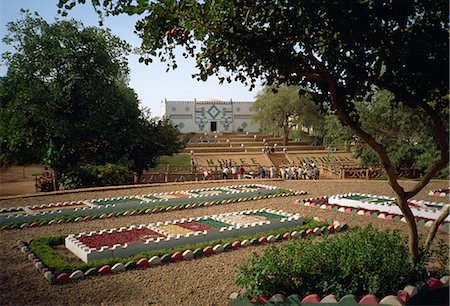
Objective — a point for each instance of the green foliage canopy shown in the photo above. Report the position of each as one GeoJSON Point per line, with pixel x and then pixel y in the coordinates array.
{"type": "Point", "coordinates": [274, 107]}
{"type": "Point", "coordinates": [65, 99]}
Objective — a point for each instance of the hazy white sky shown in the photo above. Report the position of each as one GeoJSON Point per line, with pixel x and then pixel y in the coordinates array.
{"type": "Point", "coordinates": [151, 83]}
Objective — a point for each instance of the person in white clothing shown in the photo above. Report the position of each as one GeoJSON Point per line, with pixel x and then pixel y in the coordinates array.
{"type": "Point", "coordinates": [272, 171]}
{"type": "Point", "coordinates": [282, 173]}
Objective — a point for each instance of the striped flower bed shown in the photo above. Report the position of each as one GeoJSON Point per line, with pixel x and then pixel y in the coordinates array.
{"type": "Point", "coordinates": [53, 277]}
{"type": "Point", "coordinates": [57, 213]}
{"type": "Point", "coordinates": [123, 242]}
{"type": "Point", "coordinates": [379, 207]}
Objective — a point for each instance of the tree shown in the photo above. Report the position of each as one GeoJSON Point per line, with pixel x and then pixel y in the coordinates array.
{"type": "Point", "coordinates": [65, 99]}
{"type": "Point", "coordinates": [406, 134]}
{"type": "Point", "coordinates": [341, 50]}
{"type": "Point", "coordinates": [154, 138]}
{"type": "Point", "coordinates": [275, 107]}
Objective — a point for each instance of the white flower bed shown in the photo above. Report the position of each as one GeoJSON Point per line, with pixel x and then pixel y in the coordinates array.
{"type": "Point", "coordinates": [423, 209]}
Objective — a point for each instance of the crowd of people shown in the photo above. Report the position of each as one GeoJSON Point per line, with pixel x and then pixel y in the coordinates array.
{"type": "Point", "coordinates": [304, 171]}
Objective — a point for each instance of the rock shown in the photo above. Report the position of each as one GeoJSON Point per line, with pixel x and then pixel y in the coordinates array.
{"type": "Point", "coordinates": [142, 263]}
{"type": "Point", "coordinates": [50, 277]}
{"type": "Point", "coordinates": [208, 251]}
{"type": "Point", "coordinates": [391, 300]}
{"type": "Point", "coordinates": [62, 278]}
{"type": "Point", "coordinates": [106, 269]}
{"type": "Point", "coordinates": [403, 296]}
{"type": "Point", "coordinates": [434, 283]}
{"type": "Point", "coordinates": [130, 265]}
{"type": "Point", "coordinates": [198, 253]}
{"type": "Point", "coordinates": [312, 298]}
{"type": "Point", "coordinates": [348, 299]}
{"type": "Point", "coordinates": [188, 254]}
{"type": "Point", "coordinates": [369, 299]}
{"type": "Point", "coordinates": [166, 258]}
{"type": "Point", "coordinates": [331, 298]}
{"type": "Point", "coordinates": [277, 298]}
{"type": "Point", "coordinates": [155, 260]}
{"type": "Point", "coordinates": [176, 256]}
{"type": "Point", "coordinates": [412, 291]}
{"type": "Point", "coordinates": [262, 239]}
{"type": "Point", "coordinates": [118, 267]}
{"type": "Point", "coordinates": [236, 244]}
{"type": "Point", "coordinates": [445, 280]}
{"type": "Point", "coordinates": [91, 272]}
{"type": "Point", "coordinates": [218, 248]}
{"type": "Point", "coordinates": [77, 274]}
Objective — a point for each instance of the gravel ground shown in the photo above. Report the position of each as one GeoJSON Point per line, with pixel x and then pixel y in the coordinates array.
{"type": "Point", "coordinates": [204, 281]}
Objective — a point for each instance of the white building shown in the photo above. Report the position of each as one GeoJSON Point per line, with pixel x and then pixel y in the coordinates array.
{"type": "Point", "coordinates": [210, 115]}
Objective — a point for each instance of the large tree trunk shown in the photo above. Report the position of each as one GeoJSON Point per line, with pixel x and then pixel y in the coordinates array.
{"type": "Point", "coordinates": [286, 131]}
{"type": "Point", "coordinates": [402, 196]}
{"type": "Point", "coordinates": [413, 237]}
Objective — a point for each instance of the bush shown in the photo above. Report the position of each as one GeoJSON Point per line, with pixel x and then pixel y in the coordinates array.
{"type": "Point", "coordinates": [97, 175]}
{"type": "Point", "coordinates": [360, 262]}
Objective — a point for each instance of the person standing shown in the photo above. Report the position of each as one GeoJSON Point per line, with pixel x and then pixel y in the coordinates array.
{"type": "Point", "coordinates": [234, 172]}
{"type": "Point", "coordinates": [282, 173]}
{"type": "Point", "coordinates": [262, 172]}
{"type": "Point", "coordinates": [225, 173]}
{"type": "Point", "coordinates": [241, 172]}
{"type": "Point", "coordinates": [272, 171]}
{"type": "Point", "coordinates": [287, 170]}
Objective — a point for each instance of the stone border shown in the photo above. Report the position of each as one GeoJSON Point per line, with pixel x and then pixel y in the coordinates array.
{"type": "Point", "coordinates": [202, 202]}
{"type": "Point", "coordinates": [400, 299]}
{"type": "Point", "coordinates": [322, 203]}
{"type": "Point", "coordinates": [439, 193]}
{"type": "Point", "coordinates": [188, 254]}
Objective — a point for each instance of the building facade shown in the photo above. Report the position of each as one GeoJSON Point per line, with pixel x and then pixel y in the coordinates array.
{"type": "Point", "coordinates": [210, 115]}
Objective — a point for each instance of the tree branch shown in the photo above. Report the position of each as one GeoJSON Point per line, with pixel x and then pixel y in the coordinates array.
{"type": "Point", "coordinates": [433, 230]}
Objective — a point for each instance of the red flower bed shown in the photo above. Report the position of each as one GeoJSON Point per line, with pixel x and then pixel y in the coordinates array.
{"type": "Point", "coordinates": [109, 239]}
{"type": "Point", "coordinates": [195, 226]}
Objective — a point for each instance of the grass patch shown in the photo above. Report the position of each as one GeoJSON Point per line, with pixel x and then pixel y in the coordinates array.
{"type": "Point", "coordinates": [45, 249]}
{"type": "Point", "coordinates": [180, 162]}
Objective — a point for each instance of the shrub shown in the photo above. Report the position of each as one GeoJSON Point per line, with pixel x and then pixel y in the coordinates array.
{"type": "Point", "coordinates": [360, 262]}
{"type": "Point", "coordinates": [97, 175]}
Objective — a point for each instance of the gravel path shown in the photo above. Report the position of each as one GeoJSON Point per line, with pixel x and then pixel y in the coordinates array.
{"type": "Point", "coordinates": [205, 281]}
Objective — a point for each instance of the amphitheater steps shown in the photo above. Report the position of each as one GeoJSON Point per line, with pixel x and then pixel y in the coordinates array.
{"type": "Point", "coordinates": [278, 159]}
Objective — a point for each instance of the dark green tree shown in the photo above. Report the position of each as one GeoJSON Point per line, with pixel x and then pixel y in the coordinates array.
{"type": "Point", "coordinates": [66, 89]}
{"type": "Point", "coordinates": [340, 49]}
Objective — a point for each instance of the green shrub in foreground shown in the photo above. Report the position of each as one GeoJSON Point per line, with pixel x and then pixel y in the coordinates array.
{"type": "Point", "coordinates": [360, 262]}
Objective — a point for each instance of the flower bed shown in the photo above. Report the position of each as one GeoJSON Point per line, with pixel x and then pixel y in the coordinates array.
{"type": "Point", "coordinates": [57, 270]}
{"type": "Point", "coordinates": [56, 213]}
{"type": "Point", "coordinates": [440, 192]}
{"type": "Point", "coordinates": [155, 236]}
{"type": "Point", "coordinates": [380, 207]}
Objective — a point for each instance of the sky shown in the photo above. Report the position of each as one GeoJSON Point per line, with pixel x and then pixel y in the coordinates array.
{"type": "Point", "coordinates": [151, 82]}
